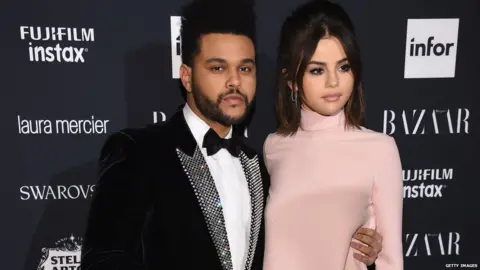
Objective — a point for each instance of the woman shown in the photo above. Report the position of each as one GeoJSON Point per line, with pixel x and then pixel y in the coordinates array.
{"type": "Point", "coordinates": [329, 174]}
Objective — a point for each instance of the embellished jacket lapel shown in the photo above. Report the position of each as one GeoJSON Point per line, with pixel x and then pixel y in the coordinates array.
{"type": "Point", "coordinates": [198, 173]}
{"type": "Point", "coordinates": [251, 168]}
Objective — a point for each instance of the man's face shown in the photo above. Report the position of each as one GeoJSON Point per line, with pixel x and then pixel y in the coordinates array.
{"type": "Point", "coordinates": [224, 77]}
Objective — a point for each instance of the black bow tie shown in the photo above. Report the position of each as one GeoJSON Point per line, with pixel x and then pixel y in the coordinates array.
{"type": "Point", "coordinates": [213, 143]}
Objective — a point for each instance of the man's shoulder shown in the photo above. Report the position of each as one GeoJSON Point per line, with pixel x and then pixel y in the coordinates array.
{"type": "Point", "coordinates": [139, 135]}
{"type": "Point", "coordinates": [139, 138]}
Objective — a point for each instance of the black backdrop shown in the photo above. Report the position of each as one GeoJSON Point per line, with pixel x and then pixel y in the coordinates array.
{"type": "Point", "coordinates": [120, 72]}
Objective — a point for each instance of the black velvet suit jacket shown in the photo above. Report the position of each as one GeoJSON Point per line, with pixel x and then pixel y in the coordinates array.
{"type": "Point", "coordinates": [155, 204]}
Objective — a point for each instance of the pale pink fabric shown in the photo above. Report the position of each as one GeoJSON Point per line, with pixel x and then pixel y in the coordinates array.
{"type": "Point", "coordinates": [326, 183]}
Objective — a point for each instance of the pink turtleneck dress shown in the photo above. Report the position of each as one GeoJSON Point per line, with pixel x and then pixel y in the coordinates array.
{"type": "Point", "coordinates": [326, 183]}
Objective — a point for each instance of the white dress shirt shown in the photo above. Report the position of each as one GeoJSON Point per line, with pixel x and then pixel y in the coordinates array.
{"type": "Point", "coordinates": [231, 184]}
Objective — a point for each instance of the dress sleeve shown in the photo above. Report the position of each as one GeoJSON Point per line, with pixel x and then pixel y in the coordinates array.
{"type": "Point", "coordinates": [266, 149]}
{"type": "Point", "coordinates": [270, 145]}
{"type": "Point", "coordinates": [388, 206]}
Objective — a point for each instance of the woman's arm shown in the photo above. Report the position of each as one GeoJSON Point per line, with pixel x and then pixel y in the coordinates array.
{"type": "Point", "coordinates": [388, 206]}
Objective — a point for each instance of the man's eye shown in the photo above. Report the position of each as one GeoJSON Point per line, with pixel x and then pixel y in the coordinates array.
{"type": "Point", "coordinates": [216, 68]}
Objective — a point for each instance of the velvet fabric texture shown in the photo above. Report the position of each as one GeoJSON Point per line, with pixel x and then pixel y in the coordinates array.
{"type": "Point", "coordinates": [145, 214]}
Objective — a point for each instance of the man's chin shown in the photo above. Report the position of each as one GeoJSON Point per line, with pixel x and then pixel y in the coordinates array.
{"type": "Point", "coordinates": [234, 118]}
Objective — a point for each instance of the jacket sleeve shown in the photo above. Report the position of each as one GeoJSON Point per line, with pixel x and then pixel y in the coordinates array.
{"type": "Point", "coordinates": [388, 207]}
{"type": "Point", "coordinates": [118, 209]}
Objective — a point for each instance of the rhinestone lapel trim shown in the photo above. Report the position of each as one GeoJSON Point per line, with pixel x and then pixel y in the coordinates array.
{"type": "Point", "coordinates": [252, 172]}
{"type": "Point", "coordinates": [196, 169]}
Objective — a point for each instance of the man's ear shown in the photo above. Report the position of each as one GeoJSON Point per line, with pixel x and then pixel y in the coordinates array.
{"type": "Point", "coordinates": [186, 77]}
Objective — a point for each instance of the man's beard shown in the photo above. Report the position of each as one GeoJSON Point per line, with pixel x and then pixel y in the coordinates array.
{"type": "Point", "coordinates": [211, 109]}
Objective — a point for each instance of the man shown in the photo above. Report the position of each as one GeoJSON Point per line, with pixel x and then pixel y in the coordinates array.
{"type": "Point", "coordinates": [188, 194]}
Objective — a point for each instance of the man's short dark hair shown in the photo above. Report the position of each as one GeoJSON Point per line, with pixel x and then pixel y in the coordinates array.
{"type": "Point", "coordinates": [201, 17]}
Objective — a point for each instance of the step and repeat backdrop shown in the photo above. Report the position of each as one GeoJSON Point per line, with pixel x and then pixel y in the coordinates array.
{"type": "Point", "coordinates": [74, 72]}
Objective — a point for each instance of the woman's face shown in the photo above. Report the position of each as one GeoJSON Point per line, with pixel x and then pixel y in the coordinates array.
{"type": "Point", "coordinates": [328, 80]}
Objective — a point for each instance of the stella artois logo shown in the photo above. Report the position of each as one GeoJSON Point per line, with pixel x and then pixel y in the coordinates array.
{"type": "Point", "coordinates": [64, 256]}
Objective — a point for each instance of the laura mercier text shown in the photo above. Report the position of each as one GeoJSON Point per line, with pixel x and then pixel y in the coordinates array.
{"type": "Point", "coordinates": [87, 126]}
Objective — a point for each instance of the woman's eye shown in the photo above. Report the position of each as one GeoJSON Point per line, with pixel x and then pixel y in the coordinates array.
{"type": "Point", "coordinates": [345, 68]}
{"type": "Point", "coordinates": [316, 71]}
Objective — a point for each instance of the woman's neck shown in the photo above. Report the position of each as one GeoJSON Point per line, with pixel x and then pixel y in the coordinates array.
{"type": "Point", "coordinates": [313, 121]}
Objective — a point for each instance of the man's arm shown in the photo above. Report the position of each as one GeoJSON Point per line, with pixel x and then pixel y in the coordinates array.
{"type": "Point", "coordinates": [113, 232]}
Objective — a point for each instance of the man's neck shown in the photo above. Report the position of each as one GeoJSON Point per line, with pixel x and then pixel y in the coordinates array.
{"type": "Point", "coordinates": [220, 129]}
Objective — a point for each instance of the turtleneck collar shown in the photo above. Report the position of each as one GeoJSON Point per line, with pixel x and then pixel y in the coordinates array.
{"type": "Point", "coordinates": [312, 121]}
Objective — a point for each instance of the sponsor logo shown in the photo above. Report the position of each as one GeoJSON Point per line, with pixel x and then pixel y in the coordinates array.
{"type": "Point", "coordinates": [89, 125]}
{"type": "Point", "coordinates": [176, 43]}
{"type": "Point", "coordinates": [59, 192]}
{"type": "Point", "coordinates": [431, 48]}
{"type": "Point", "coordinates": [64, 256]}
{"type": "Point", "coordinates": [423, 121]}
{"type": "Point", "coordinates": [432, 244]}
{"type": "Point", "coordinates": [425, 183]}
{"type": "Point", "coordinates": [54, 44]}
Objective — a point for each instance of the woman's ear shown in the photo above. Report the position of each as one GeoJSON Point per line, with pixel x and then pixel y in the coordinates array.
{"type": "Point", "coordinates": [289, 82]}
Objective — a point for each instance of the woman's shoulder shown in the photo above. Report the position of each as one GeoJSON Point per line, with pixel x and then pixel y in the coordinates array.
{"type": "Point", "coordinates": [270, 142]}
{"type": "Point", "coordinates": [273, 137]}
{"type": "Point", "coordinates": [275, 147]}
{"type": "Point", "coordinates": [277, 140]}
{"type": "Point", "coordinates": [379, 140]}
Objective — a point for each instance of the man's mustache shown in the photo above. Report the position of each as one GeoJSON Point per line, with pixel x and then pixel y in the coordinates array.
{"type": "Point", "coordinates": [232, 91]}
